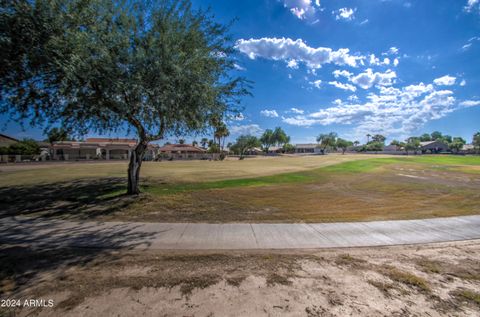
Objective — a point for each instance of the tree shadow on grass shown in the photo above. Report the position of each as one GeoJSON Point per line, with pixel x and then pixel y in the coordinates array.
{"type": "Point", "coordinates": [31, 248]}
{"type": "Point", "coordinates": [78, 199]}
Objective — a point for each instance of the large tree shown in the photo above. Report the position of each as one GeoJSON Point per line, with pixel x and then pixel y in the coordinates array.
{"type": "Point", "coordinates": [456, 144]}
{"type": "Point", "coordinates": [327, 140]}
{"type": "Point", "coordinates": [158, 68]}
{"type": "Point", "coordinates": [476, 141]}
{"type": "Point", "coordinates": [245, 143]}
{"type": "Point", "coordinates": [343, 144]}
{"type": "Point", "coordinates": [267, 140]}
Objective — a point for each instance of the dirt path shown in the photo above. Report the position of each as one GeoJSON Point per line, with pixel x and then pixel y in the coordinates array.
{"type": "Point", "coordinates": [428, 280]}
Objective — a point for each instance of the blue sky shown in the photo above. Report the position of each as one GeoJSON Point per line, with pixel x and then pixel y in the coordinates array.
{"type": "Point", "coordinates": [395, 67]}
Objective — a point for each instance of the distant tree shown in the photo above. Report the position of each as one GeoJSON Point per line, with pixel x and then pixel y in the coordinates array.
{"type": "Point", "coordinates": [412, 144]}
{"type": "Point", "coordinates": [378, 138]}
{"type": "Point", "coordinates": [397, 144]}
{"type": "Point", "coordinates": [436, 135]}
{"type": "Point", "coordinates": [476, 142]}
{"type": "Point", "coordinates": [356, 143]}
{"type": "Point", "coordinates": [456, 144]}
{"type": "Point", "coordinates": [280, 137]}
{"type": "Point", "coordinates": [24, 147]}
{"type": "Point", "coordinates": [221, 134]}
{"type": "Point", "coordinates": [181, 141]}
{"type": "Point", "coordinates": [288, 148]}
{"type": "Point", "coordinates": [58, 134]}
{"type": "Point", "coordinates": [375, 146]}
{"type": "Point", "coordinates": [167, 143]}
{"type": "Point", "coordinates": [267, 140]}
{"type": "Point", "coordinates": [446, 138]}
{"type": "Point", "coordinates": [426, 137]}
{"type": "Point", "coordinates": [327, 141]}
{"type": "Point", "coordinates": [368, 137]}
{"type": "Point", "coordinates": [204, 142]}
{"type": "Point", "coordinates": [194, 143]}
{"type": "Point", "coordinates": [245, 143]}
{"type": "Point", "coordinates": [213, 148]}
{"type": "Point", "coordinates": [160, 67]}
{"type": "Point", "coordinates": [343, 144]}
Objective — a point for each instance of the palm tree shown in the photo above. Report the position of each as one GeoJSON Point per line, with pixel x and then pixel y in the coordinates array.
{"type": "Point", "coordinates": [368, 137]}
{"type": "Point", "coordinates": [204, 142]}
{"type": "Point", "coordinates": [194, 143]}
{"type": "Point", "coordinates": [356, 143]}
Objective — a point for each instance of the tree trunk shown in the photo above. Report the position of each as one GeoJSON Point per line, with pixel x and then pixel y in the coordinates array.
{"type": "Point", "coordinates": [136, 159]}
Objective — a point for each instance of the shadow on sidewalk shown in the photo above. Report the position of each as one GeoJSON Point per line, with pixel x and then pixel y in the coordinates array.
{"type": "Point", "coordinates": [33, 249]}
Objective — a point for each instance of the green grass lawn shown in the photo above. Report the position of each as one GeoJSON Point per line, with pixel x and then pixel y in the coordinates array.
{"type": "Point", "coordinates": [314, 189]}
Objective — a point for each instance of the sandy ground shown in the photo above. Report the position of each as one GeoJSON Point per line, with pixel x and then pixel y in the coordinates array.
{"type": "Point", "coordinates": [429, 280]}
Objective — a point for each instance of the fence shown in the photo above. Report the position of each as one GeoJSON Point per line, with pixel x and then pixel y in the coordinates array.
{"type": "Point", "coordinates": [21, 158]}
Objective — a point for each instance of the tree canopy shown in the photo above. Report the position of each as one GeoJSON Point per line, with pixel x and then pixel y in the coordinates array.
{"type": "Point", "coordinates": [245, 143]}
{"type": "Point", "coordinates": [158, 67]}
{"type": "Point", "coordinates": [327, 140]}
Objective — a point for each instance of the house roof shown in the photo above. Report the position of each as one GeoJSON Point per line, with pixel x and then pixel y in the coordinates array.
{"type": "Point", "coordinates": [110, 140]}
{"type": "Point", "coordinates": [181, 148]}
{"type": "Point", "coordinates": [426, 143]}
{"type": "Point", "coordinates": [306, 146]}
{"type": "Point", "coordinates": [9, 138]}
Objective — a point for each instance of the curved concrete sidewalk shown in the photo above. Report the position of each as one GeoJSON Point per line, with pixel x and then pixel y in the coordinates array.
{"type": "Point", "coordinates": [197, 236]}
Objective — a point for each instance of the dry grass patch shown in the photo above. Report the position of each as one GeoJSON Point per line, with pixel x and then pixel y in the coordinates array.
{"type": "Point", "coordinates": [463, 294]}
{"type": "Point", "coordinates": [406, 278]}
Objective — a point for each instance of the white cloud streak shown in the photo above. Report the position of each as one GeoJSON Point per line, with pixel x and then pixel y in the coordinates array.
{"type": "Point", "coordinates": [249, 129]}
{"type": "Point", "coordinates": [391, 111]}
{"type": "Point", "coordinates": [446, 80]}
{"type": "Point", "coordinates": [269, 113]}
{"type": "Point", "coordinates": [286, 49]}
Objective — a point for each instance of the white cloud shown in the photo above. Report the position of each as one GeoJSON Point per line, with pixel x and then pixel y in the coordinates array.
{"type": "Point", "coordinates": [393, 50]}
{"type": "Point", "coordinates": [446, 80]}
{"type": "Point", "coordinates": [373, 60]}
{"type": "Point", "coordinates": [353, 98]}
{"type": "Point", "coordinates": [463, 82]}
{"type": "Point", "coordinates": [237, 117]}
{"type": "Point", "coordinates": [297, 111]}
{"type": "Point", "coordinates": [286, 49]}
{"type": "Point", "coordinates": [470, 103]}
{"type": "Point", "coordinates": [368, 78]}
{"type": "Point", "coordinates": [300, 121]}
{"type": "Point", "coordinates": [395, 62]}
{"type": "Point", "coordinates": [393, 111]}
{"type": "Point", "coordinates": [249, 129]}
{"type": "Point", "coordinates": [343, 86]}
{"type": "Point", "coordinates": [347, 14]}
{"type": "Point", "coordinates": [364, 22]}
{"type": "Point", "coordinates": [302, 9]}
{"type": "Point", "coordinates": [238, 67]}
{"type": "Point", "coordinates": [269, 113]}
{"type": "Point", "coordinates": [471, 4]}
{"type": "Point", "coordinates": [466, 46]}
{"type": "Point", "coordinates": [345, 73]}
{"type": "Point", "coordinates": [292, 64]}
{"type": "Point", "coordinates": [317, 83]}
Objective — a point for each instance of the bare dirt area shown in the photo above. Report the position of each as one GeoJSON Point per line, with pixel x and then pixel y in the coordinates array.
{"type": "Point", "coordinates": [429, 280]}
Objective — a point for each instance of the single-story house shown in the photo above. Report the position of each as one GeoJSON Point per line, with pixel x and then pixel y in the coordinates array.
{"type": "Point", "coordinates": [468, 149]}
{"type": "Point", "coordinates": [436, 146]}
{"type": "Point", "coordinates": [181, 151]}
{"type": "Point", "coordinates": [6, 140]}
{"type": "Point", "coordinates": [307, 148]}
{"type": "Point", "coordinates": [99, 148]}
